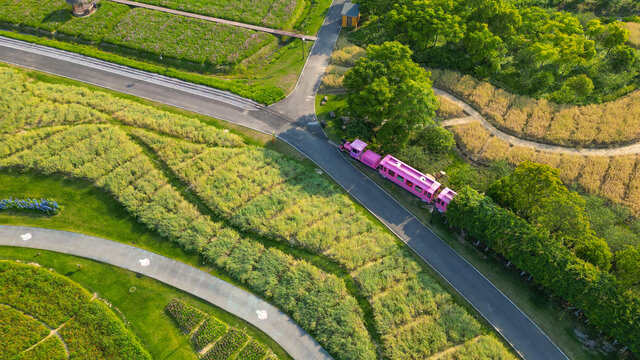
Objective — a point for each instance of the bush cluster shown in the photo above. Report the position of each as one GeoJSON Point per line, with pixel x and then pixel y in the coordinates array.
{"type": "Point", "coordinates": [46, 206]}
{"type": "Point", "coordinates": [209, 332]}
{"type": "Point", "coordinates": [228, 344]}
{"type": "Point", "coordinates": [19, 331]}
{"type": "Point", "coordinates": [51, 348]}
{"type": "Point", "coordinates": [596, 292]}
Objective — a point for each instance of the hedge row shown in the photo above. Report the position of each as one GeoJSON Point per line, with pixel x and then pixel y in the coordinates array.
{"type": "Point", "coordinates": [187, 317]}
{"type": "Point", "coordinates": [46, 206]}
{"type": "Point", "coordinates": [264, 192]}
{"type": "Point", "coordinates": [608, 307]}
{"type": "Point", "coordinates": [264, 94]}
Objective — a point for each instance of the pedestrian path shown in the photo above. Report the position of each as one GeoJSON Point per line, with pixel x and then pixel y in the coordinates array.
{"type": "Point", "coordinates": [217, 20]}
{"type": "Point", "coordinates": [276, 324]}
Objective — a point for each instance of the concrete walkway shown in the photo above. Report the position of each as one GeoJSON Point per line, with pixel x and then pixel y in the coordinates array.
{"type": "Point", "coordinates": [216, 20]}
{"type": "Point", "coordinates": [476, 116]}
{"type": "Point", "coordinates": [282, 329]}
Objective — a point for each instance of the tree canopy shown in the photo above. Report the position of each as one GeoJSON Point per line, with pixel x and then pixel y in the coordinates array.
{"type": "Point", "coordinates": [391, 94]}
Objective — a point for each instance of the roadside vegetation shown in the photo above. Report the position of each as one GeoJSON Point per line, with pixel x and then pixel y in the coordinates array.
{"type": "Point", "coordinates": [88, 328]}
{"type": "Point", "coordinates": [357, 285]}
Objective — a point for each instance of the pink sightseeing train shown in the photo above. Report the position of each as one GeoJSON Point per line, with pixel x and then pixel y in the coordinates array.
{"type": "Point", "coordinates": [421, 185]}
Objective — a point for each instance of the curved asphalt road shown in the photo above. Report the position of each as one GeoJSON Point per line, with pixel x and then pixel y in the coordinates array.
{"type": "Point", "coordinates": [282, 329]}
{"type": "Point", "coordinates": [293, 120]}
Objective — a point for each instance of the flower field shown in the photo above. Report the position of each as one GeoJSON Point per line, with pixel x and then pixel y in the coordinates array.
{"type": "Point", "coordinates": [36, 300]}
{"type": "Point", "coordinates": [615, 177]}
{"type": "Point", "coordinates": [611, 122]}
{"type": "Point", "coordinates": [184, 39]}
{"type": "Point", "coordinates": [212, 335]}
{"type": "Point", "coordinates": [279, 14]}
{"type": "Point", "coordinates": [411, 314]}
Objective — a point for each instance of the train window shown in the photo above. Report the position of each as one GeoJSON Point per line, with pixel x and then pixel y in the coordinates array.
{"type": "Point", "coordinates": [391, 172]}
{"type": "Point", "coordinates": [409, 183]}
{"type": "Point", "coordinates": [419, 189]}
{"type": "Point", "coordinates": [400, 178]}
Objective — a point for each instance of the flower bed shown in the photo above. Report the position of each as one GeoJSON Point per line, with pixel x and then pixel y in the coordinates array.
{"type": "Point", "coordinates": [187, 317]}
{"type": "Point", "coordinates": [227, 345]}
{"type": "Point", "coordinates": [253, 351]}
{"type": "Point", "coordinates": [46, 206]}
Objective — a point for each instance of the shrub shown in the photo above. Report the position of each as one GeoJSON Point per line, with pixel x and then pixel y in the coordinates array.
{"type": "Point", "coordinates": [51, 348]}
{"type": "Point", "coordinates": [253, 351]}
{"type": "Point", "coordinates": [47, 206]}
{"type": "Point", "coordinates": [448, 109]}
{"type": "Point", "coordinates": [228, 344]}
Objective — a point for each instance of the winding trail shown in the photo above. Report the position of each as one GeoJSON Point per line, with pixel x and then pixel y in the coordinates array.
{"type": "Point", "coordinates": [293, 120]}
{"type": "Point", "coordinates": [476, 116]}
{"type": "Point", "coordinates": [278, 325]}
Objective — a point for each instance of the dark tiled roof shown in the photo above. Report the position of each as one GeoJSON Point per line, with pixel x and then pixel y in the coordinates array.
{"type": "Point", "coordinates": [351, 9]}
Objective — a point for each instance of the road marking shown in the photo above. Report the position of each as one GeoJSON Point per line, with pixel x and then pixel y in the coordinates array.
{"type": "Point", "coordinates": [26, 236]}
{"type": "Point", "coordinates": [144, 262]}
{"type": "Point", "coordinates": [262, 314]}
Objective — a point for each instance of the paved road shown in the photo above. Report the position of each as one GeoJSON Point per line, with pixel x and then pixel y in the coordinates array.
{"type": "Point", "coordinates": [293, 121]}
{"type": "Point", "coordinates": [238, 302]}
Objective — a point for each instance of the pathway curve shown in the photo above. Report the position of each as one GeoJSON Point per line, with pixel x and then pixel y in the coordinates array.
{"type": "Point", "coordinates": [216, 20]}
{"type": "Point", "coordinates": [476, 116]}
{"type": "Point", "coordinates": [293, 120]}
{"type": "Point", "coordinates": [282, 329]}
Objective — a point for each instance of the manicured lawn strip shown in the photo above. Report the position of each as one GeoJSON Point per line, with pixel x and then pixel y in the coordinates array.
{"type": "Point", "coordinates": [50, 349]}
{"type": "Point", "coordinates": [183, 38]}
{"type": "Point", "coordinates": [29, 12]}
{"type": "Point", "coordinates": [143, 308]}
{"type": "Point", "coordinates": [19, 331]}
{"type": "Point", "coordinates": [262, 94]}
{"type": "Point", "coordinates": [228, 344]}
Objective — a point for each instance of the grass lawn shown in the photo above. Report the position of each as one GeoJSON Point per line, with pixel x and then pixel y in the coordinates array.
{"type": "Point", "coordinates": [547, 314]}
{"type": "Point", "coordinates": [142, 309]}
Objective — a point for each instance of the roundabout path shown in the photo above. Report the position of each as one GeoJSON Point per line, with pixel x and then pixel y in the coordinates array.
{"type": "Point", "coordinates": [293, 339]}
{"type": "Point", "coordinates": [476, 116]}
{"type": "Point", "coordinates": [293, 120]}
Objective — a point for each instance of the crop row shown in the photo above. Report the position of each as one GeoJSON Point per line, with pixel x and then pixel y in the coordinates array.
{"type": "Point", "coordinates": [105, 155]}
{"type": "Point", "coordinates": [264, 192]}
{"type": "Point", "coordinates": [89, 328]}
{"type": "Point", "coordinates": [614, 177]}
{"type": "Point", "coordinates": [187, 317]}
{"type": "Point", "coordinates": [599, 124]}
{"type": "Point", "coordinates": [30, 104]}
{"type": "Point", "coordinates": [19, 331]}
{"type": "Point", "coordinates": [183, 38]}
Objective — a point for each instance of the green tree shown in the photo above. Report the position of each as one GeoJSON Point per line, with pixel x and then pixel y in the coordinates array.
{"type": "Point", "coordinates": [484, 47]}
{"type": "Point", "coordinates": [594, 250]}
{"type": "Point", "coordinates": [390, 92]}
{"type": "Point", "coordinates": [580, 85]}
{"type": "Point", "coordinates": [628, 266]}
{"type": "Point", "coordinates": [436, 139]}
{"type": "Point", "coordinates": [615, 35]}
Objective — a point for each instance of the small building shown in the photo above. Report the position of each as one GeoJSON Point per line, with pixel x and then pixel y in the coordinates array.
{"type": "Point", "coordinates": [350, 15]}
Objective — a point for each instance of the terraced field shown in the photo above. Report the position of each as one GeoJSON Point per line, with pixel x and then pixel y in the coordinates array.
{"type": "Point", "coordinates": [267, 221]}
{"type": "Point", "coordinates": [47, 316]}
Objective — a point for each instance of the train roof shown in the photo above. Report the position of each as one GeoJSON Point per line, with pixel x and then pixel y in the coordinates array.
{"type": "Point", "coordinates": [358, 144]}
{"type": "Point", "coordinates": [370, 157]}
{"type": "Point", "coordinates": [406, 170]}
{"type": "Point", "coordinates": [447, 194]}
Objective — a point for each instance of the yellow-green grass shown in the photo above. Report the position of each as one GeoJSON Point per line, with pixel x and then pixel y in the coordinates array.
{"type": "Point", "coordinates": [140, 301]}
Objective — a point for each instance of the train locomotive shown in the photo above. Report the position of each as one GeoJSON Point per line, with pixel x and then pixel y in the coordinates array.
{"type": "Point", "coordinates": [421, 185]}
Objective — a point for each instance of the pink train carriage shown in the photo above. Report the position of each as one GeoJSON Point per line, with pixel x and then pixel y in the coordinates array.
{"type": "Point", "coordinates": [421, 185]}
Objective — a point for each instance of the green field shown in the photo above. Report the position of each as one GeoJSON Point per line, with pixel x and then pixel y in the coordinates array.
{"type": "Point", "coordinates": [37, 301]}
{"type": "Point", "coordinates": [342, 277]}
